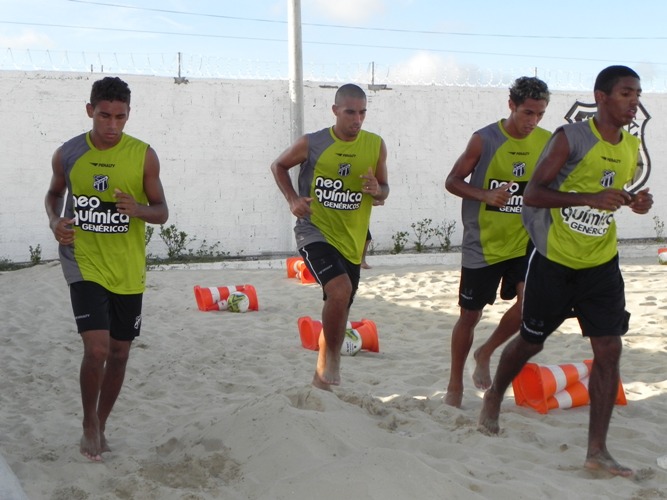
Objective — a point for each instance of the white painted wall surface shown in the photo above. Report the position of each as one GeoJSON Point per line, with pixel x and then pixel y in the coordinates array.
{"type": "Point", "coordinates": [217, 138]}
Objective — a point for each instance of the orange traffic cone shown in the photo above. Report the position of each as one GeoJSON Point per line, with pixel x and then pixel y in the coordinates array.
{"type": "Point", "coordinates": [662, 255]}
{"type": "Point", "coordinates": [545, 387]}
{"type": "Point", "coordinates": [211, 298]}
{"type": "Point", "coordinates": [297, 268]}
{"type": "Point", "coordinates": [292, 268]}
{"type": "Point", "coordinates": [305, 275]}
{"type": "Point", "coordinates": [572, 396]}
{"type": "Point", "coordinates": [310, 329]}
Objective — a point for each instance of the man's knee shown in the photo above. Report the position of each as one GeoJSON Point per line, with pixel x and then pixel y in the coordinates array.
{"type": "Point", "coordinates": [95, 346]}
{"type": "Point", "coordinates": [119, 351]}
{"type": "Point", "coordinates": [607, 350]}
{"type": "Point", "coordinates": [469, 318]}
{"type": "Point", "coordinates": [522, 348]}
{"type": "Point", "coordinates": [339, 289]}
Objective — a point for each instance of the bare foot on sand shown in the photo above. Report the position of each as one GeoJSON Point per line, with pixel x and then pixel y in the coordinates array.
{"type": "Point", "coordinates": [481, 377]}
{"type": "Point", "coordinates": [90, 446]}
{"type": "Point", "coordinates": [329, 376]}
{"type": "Point", "coordinates": [320, 384]}
{"type": "Point", "coordinates": [454, 398]}
{"type": "Point", "coordinates": [104, 445]}
{"type": "Point", "coordinates": [328, 366]}
{"type": "Point", "coordinates": [605, 462]}
{"type": "Point", "coordinates": [327, 371]}
{"type": "Point", "coordinates": [365, 266]}
{"type": "Point", "coordinates": [488, 417]}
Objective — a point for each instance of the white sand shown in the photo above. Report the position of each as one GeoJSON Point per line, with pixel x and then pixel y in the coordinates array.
{"type": "Point", "coordinates": [218, 405]}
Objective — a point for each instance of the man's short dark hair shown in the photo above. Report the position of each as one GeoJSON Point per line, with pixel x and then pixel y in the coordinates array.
{"type": "Point", "coordinates": [529, 87]}
{"type": "Point", "coordinates": [349, 90]}
{"type": "Point", "coordinates": [109, 89]}
{"type": "Point", "coordinates": [610, 76]}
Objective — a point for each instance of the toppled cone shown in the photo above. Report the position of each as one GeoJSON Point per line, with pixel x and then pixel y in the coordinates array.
{"type": "Point", "coordinates": [297, 268]}
{"type": "Point", "coordinates": [215, 298]}
{"type": "Point", "coordinates": [359, 335]}
{"type": "Point", "coordinates": [545, 387]}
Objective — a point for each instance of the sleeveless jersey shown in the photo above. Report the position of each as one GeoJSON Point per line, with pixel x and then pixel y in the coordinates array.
{"type": "Point", "coordinates": [492, 234]}
{"type": "Point", "coordinates": [340, 212]}
{"type": "Point", "coordinates": [109, 247]}
{"type": "Point", "coordinates": [583, 237]}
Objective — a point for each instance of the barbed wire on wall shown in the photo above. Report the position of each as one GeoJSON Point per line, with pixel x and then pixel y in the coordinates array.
{"type": "Point", "coordinates": [185, 66]}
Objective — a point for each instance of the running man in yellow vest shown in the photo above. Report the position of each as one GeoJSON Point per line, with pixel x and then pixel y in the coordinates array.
{"type": "Point", "coordinates": [108, 184]}
{"type": "Point", "coordinates": [491, 176]}
{"type": "Point", "coordinates": [570, 203]}
{"type": "Point", "coordinates": [342, 173]}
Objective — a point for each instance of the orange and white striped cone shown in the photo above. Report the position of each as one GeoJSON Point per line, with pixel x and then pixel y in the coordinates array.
{"type": "Point", "coordinates": [662, 255]}
{"type": "Point", "coordinates": [297, 268]}
{"type": "Point", "coordinates": [545, 387]}
{"type": "Point", "coordinates": [304, 274]}
{"type": "Point", "coordinates": [214, 298]}
{"type": "Point", "coordinates": [573, 395]}
{"type": "Point", "coordinates": [292, 267]}
{"type": "Point", "coordinates": [310, 330]}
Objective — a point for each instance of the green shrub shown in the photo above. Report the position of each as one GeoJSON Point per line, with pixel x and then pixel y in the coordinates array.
{"type": "Point", "coordinates": [444, 234]}
{"type": "Point", "coordinates": [423, 232]}
{"type": "Point", "coordinates": [176, 241]}
{"type": "Point", "coordinates": [400, 239]}
{"type": "Point", "coordinates": [35, 255]}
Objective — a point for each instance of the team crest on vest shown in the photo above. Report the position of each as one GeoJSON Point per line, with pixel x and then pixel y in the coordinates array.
{"type": "Point", "coordinates": [101, 183]}
{"type": "Point", "coordinates": [607, 180]}
{"type": "Point", "coordinates": [344, 169]}
{"type": "Point", "coordinates": [580, 112]}
{"type": "Point", "coordinates": [519, 169]}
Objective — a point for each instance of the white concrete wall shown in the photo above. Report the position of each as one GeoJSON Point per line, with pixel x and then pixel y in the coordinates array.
{"type": "Point", "coordinates": [217, 138]}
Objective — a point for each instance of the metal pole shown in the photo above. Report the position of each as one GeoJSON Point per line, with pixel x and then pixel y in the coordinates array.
{"type": "Point", "coordinates": [296, 97]}
{"type": "Point", "coordinates": [295, 69]}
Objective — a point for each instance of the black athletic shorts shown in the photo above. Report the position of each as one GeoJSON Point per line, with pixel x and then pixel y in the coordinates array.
{"type": "Point", "coordinates": [325, 262]}
{"type": "Point", "coordinates": [478, 287]}
{"type": "Point", "coordinates": [595, 296]}
{"type": "Point", "coordinates": [96, 308]}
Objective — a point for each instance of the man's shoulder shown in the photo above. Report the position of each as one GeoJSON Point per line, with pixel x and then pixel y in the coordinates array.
{"type": "Point", "coordinates": [322, 132]}
{"type": "Point", "coordinates": [489, 131]}
{"type": "Point", "coordinates": [130, 139]}
{"type": "Point", "coordinates": [579, 126]}
{"type": "Point", "coordinates": [370, 134]}
{"type": "Point", "coordinates": [577, 131]}
{"type": "Point", "coordinates": [77, 139]}
{"type": "Point", "coordinates": [540, 135]}
{"type": "Point", "coordinates": [630, 137]}
{"type": "Point", "coordinates": [493, 127]}
{"type": "Point", "coordinates": [73, 148]}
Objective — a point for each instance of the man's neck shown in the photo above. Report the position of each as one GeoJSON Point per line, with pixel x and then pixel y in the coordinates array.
{"type": "Point", "coordinates": [609, 132]}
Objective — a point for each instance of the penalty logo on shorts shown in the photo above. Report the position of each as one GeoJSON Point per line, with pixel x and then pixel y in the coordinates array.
{"type": "Point", "coordinates": [580, 112]}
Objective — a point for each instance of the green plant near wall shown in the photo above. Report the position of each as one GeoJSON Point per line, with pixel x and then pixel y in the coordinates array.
{"type": "Point", "coordinates": [176, 241]}
{"type": "Point", "coordinates": [400, 238]}
{"type": "Point", "coordinates": [659, 228]}
{"type": "Point", "coordinates": [207, 252]}
{"type": "Point", "coordinates": [444, 232]}
{"type": "Point", "coordinates": [423, 233]}
{"type": "Point", "coordinates": [35, 255]}
{"type": "Point", "coordinates": [177, 247]}
{"type": "Point", "coordinates": [372, 248]}
{"type": "Point", "coordinates": [149, 234]}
